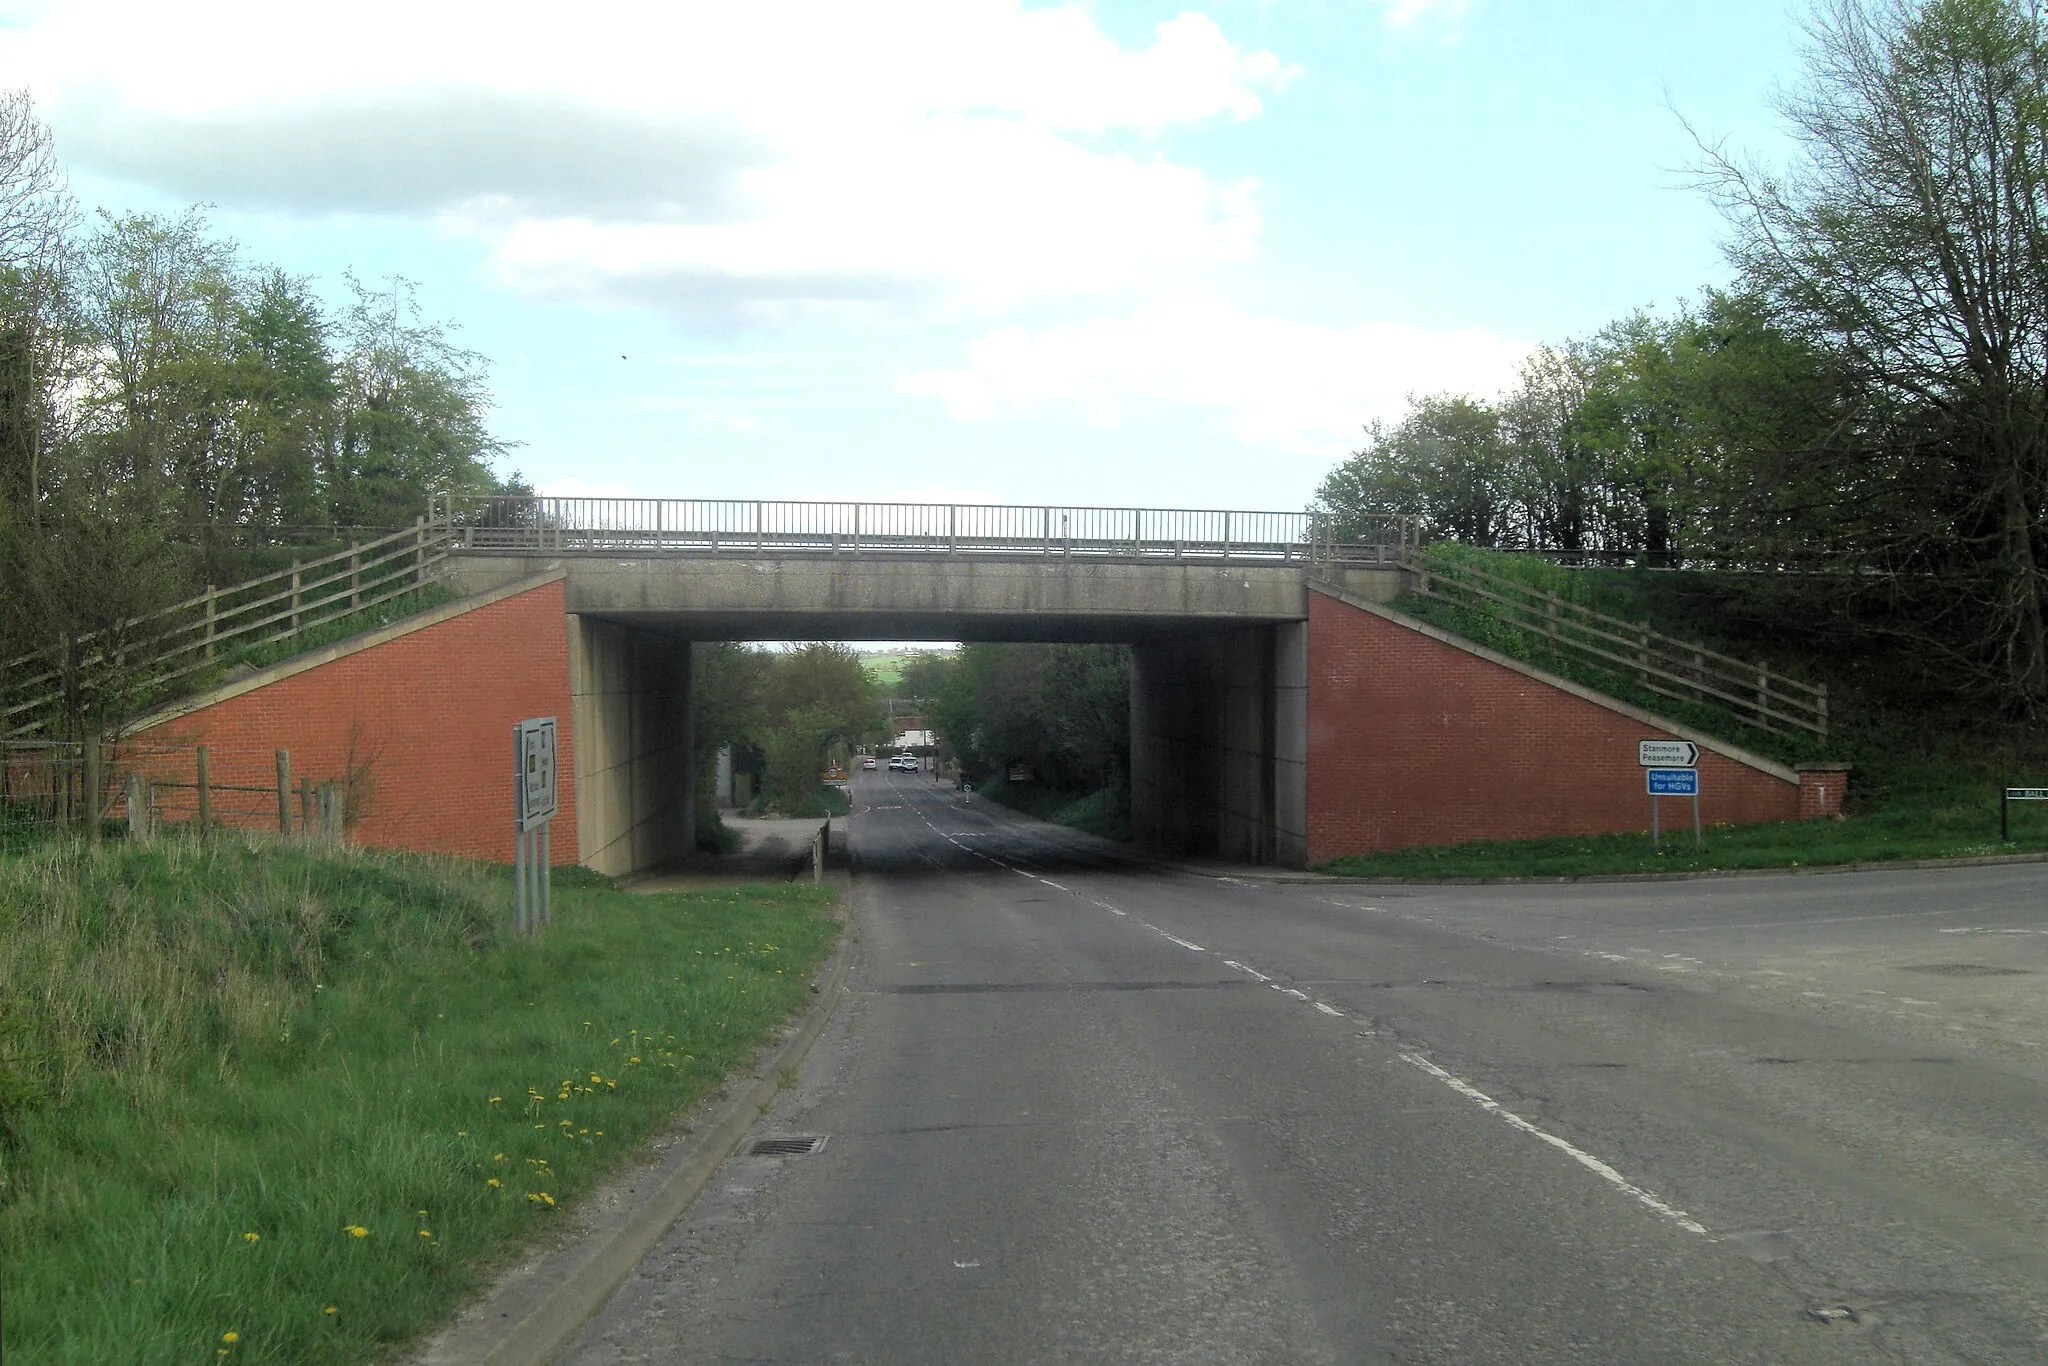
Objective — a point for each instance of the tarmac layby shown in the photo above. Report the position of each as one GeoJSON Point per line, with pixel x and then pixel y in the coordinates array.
{"type": "Point", "coordinates": [1076, 1109]}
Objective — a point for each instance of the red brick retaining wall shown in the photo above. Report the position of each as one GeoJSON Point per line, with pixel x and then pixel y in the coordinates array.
{"type": "Point", "coordinates": [433, 709]}
{"type": "Point", "coordinates": [1412, 740]}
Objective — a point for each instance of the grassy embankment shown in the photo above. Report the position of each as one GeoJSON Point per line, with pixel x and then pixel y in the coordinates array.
{"type": "Point", "coordinates": [1925, 781]}
{"type": "Point", "coordinates": [341, 628]}
{"type": "Point", "coordinates": [278, 1103]}
{"type": "Point", "coordinates": [1102, 813]}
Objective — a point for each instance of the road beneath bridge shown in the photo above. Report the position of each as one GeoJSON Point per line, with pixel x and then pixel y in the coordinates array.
{"type": "Point", "coordinates": [1080, 1108]}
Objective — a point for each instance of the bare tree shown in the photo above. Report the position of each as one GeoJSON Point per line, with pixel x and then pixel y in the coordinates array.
{"type": "Point", "coordinates": [1911, 241]}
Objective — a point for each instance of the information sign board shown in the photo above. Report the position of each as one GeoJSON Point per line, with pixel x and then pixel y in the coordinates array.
{"type": "Point", "coordinates": [1667, 753]}
{"type": "Point", "coordinates": [2026, 794]}
{"type": "Point", "coordinates": [533, 783]}
{"type": "Point", "coordinates": [1673, 782]}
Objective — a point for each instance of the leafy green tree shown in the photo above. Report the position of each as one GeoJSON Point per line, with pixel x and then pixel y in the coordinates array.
{"type": "Point", "coordinates": [1442, 464]}
{"type": "Point", "coordinates": [410, 416]}
{"type": "Point", "coordinates": [1062, 710]}
{"type": "Point", "coordinates": [816, 702]}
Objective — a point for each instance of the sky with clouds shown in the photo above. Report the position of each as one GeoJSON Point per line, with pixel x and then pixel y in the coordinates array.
{"type": "Point", "coordinates": [1169, 254]}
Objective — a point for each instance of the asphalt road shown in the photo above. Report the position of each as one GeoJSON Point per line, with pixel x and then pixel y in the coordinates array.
{"type": "Point", "coordinates": [1077, 1109]}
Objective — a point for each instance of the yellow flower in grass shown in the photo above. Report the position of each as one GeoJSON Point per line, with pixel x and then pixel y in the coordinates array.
{"type": "Point", "coordinates": [231, 1336]}
{"type": "Point", "coordinates": [494, 1183]}
{"type": "Point", "coordinates": [426, 1233]}
{"type": "Point", "coordinates": [251, 1237]}
{"type": "Point", "coordinates": [356, 1231]}
{"type": "Point", "coordinates": [331, 1309]}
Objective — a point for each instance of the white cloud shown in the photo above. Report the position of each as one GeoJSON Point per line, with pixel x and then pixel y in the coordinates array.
{"type": "Point", "coordinates": [719, 158]}
{"type": "Point", "coordinates": [1408, 13]}
{"type": "Point", "coordinates": [1280, 384]}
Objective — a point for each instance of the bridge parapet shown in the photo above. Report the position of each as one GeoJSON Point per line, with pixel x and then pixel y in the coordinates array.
{"type": "Point", "coordinates": [694, 526]}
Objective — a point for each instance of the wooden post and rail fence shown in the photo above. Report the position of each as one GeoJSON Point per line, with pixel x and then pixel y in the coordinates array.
{"type": "Point", "coordinates": [58, 785]}
{"type": "Point", "coordinates": [184, 645]}
{"type": "Point", "coordinates": [1630, 651]}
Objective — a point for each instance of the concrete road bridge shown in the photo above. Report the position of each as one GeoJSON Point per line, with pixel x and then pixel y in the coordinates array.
{"type": "Point", "coordinates": [1281, 711]}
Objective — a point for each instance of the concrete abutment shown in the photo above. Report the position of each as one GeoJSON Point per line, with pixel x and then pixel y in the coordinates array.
{"type": "Point", "coordinates": [1219, 736]}
{"type": "Point", "coordinates": [629, 699]}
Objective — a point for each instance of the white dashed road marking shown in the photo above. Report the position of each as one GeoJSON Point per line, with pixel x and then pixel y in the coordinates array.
{"type": "Point", "coordinates": [1464, 1088]}
{"type": "Point", "coordinates": [1578, 1155]}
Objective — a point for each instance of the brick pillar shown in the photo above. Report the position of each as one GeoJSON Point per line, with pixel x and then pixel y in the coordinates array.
{"type": "Point", "coordinates": [1821, 788]}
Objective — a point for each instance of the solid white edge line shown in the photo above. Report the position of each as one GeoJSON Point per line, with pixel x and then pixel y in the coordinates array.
{"type": "Point", "coordinates": [1329, 1010]}
{"type": "Point", "coordinates": [1174, 938]}
{"type": "Point", "coordinates": [1578, 1155]}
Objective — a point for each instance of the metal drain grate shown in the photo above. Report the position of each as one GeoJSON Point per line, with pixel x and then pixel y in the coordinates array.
{"type": "Point", "coordinates": [1965, 970]}
{"type": "Point", "coordinates": [787, 1147]}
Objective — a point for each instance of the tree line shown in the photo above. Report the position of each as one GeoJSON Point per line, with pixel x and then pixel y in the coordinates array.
{"type": "Point", "coordinates": [1063, 712]}
{"type": "Point", "coordinates": [785, 715]}
{"type": "Point", "coordinates": [1864, 409]}
{"type": "Point", "coordinates": [165, 402]}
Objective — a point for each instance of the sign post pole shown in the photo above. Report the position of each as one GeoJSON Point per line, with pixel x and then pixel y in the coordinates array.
{"type": "Point", "coordinates": [519, 883]}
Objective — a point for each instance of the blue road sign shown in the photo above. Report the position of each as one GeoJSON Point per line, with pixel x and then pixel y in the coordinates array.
{"type": "Point", "coordinates": [1673, 782]}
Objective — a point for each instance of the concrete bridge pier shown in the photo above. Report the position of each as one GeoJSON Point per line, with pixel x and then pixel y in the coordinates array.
{"type": "Point", "coordinates": [629, 699]}
{"type": "Point", "coordinates": [1219, 744]}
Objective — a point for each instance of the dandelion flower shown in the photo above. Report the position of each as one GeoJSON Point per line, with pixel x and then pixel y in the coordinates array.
{"type": "Point", "coordinates": [494, 1183]}
{"type": "Point", "coordinates": [494, 1100]}
{"type": "Point", "coordinates": [231, 1336]}
{"type": "Point", "coordinates": [251, 1237]}
{"type": "Point", "coordinates": [331, 1309]}
{"type": "Point", "coordinates": [356, 1231]}
{"type": "Point", "coordinates": [426, 1233]}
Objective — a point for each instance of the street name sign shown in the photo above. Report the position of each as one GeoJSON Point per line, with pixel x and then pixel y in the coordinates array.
{"type": "Point", "coordinates": [1673, 782]}
{"type": "Point", "coordinates": [1667, 753]}
{"type": "Point", "coordinates": [2026, 794]}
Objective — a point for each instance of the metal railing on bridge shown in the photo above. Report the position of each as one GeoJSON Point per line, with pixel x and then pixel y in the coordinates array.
{"type": "Point", "coordinates": [694, 526]}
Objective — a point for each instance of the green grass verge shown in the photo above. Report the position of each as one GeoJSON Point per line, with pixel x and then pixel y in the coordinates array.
{"type": "Point", "coordinates": [346, 1056]}
{"type": "Point", "coordinates": [826, 801]}
{"type": "Point", "coordinates": [1105, 813]}
{"type": "Point", "coordinates": [1916, 803]}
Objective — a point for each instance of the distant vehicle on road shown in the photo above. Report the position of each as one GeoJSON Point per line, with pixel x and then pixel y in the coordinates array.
{"type": "Point", "coordinates": [868, 762]}
{"type": "Point", "coordinates": [903, 763]}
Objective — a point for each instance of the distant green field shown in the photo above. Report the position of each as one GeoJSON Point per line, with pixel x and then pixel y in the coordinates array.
{"type": "Point", "coordinates": [887, 668]}
{"type": "Point", "coordinates": [887, 665]}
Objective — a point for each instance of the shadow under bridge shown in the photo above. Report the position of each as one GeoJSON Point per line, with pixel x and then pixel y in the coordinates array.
{"type": "Point", "coordinates": [1212, 602]}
